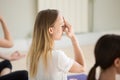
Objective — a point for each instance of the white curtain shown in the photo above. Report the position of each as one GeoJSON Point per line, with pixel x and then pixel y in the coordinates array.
{"type": "Point", "coordinates": [75, 11]}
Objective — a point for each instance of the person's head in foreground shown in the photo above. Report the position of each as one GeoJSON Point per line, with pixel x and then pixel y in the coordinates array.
{"type": "Point", "coordinates": [107, 57]}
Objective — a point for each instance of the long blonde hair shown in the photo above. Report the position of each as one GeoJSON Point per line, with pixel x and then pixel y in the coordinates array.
{"type": "Point", "coordinates": [42, 42]}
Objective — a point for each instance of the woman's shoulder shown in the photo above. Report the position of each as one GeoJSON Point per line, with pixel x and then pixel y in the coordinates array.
{"type": "Point", "coordinates": [57, 52]}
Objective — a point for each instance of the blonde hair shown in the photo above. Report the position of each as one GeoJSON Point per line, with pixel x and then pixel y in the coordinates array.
{"type": "Point", "coordinates": [42, 42]}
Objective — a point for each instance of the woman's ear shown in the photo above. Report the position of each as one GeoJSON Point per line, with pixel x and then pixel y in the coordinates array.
{"type": "Point", "coordinates": [51, 30]}
{"type": "Point", "coordinates": [117, 65]}
{"type": "Point", "coordinates": [117, 62]}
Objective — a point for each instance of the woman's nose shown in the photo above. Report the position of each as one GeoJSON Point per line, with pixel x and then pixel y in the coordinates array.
{"type": "Point", "coordinates": [63, 28]}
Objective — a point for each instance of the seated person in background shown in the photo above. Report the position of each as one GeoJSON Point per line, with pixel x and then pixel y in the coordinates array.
{"type": "Point", "coordinates": [107, 57]}
{"type": "Point", "coordinates": [44, 61]}
{"type": "Point", "coordinates": [5, 65]}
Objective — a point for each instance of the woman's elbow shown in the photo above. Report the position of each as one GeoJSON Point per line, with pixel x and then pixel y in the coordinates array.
{"type": "Point", "coordinates": [10, 45]}
{"type": "Point", "coordinates": [84, 69]}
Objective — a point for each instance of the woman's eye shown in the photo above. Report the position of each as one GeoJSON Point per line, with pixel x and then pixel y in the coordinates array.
{"type": "Point", "coordinates": [62, 26]}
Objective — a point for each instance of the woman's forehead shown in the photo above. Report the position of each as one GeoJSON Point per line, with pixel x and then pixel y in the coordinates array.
{"type": "Point", "coordinates": [59, 20]}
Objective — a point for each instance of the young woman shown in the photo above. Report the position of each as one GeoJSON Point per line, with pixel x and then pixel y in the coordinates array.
{"type": "Point", "coordinates": [44, 61]}
{"type": "Point", "coordinates": [107, 57]}
{"type": "Point", "coordinates": [5, 65]}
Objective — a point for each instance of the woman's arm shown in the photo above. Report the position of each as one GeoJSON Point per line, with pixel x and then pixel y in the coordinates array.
{"type": "Point", "coordinates": [79, 64]}
{"type": "Point", "coordinates": [7, 40]}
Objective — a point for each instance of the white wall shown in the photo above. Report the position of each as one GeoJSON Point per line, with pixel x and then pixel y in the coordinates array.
{"type": "Point", "coordinates": [106, 15]}
{"type": "Point", "coordinates": [19, 15]}
{"type": "Point", "coordinates": [75, 11]}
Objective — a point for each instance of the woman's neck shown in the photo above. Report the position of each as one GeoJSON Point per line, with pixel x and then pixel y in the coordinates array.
{"type": "Point", "coordinates": [108, 74]}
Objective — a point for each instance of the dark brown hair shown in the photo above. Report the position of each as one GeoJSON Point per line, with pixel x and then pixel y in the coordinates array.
{"type": "Point", "coordinates": [107, 49]}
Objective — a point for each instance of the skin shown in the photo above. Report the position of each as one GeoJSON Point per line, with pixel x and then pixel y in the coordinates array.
{"type": "Point", "coordinates": [12, 57]}
{"type": "Point", "coordinates": [7, 42]}
{"type": "Point", "coordinates": [61, 25]}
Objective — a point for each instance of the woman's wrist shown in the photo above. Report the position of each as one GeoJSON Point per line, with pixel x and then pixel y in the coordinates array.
{"type": "Point", "coordinates": [74, 40]}
{"type": "Point", "coordinates": [1, 20]}
{"type": "Point", "coordinates": [73, 37]}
